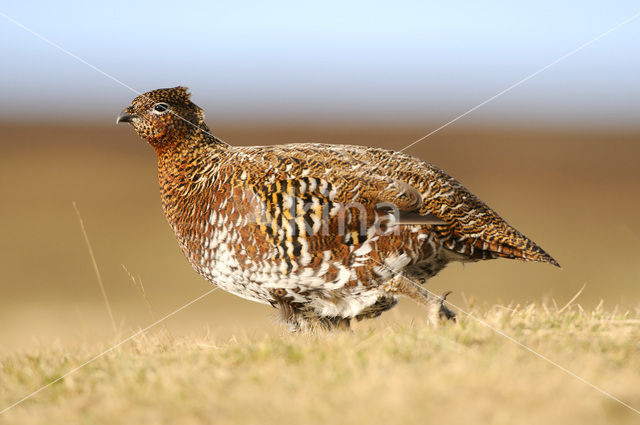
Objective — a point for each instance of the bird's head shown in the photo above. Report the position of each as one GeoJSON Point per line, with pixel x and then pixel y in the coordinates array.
{"type": "Point", "coordinates": [164, 116]}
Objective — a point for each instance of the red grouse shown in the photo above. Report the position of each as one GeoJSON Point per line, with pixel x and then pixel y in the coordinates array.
{"type": "Point", "coordinates": [325, 233]}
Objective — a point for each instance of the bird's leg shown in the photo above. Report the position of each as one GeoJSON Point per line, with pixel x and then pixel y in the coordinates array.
{"type": "Point", "coordinates": [301, 320]}
{"type": "Point", "coordinates": [290, 315]}
{"type": "Point", "coordinates": [436, 306]}
{"type": "Point", "coordinates": [309, 321]}
{"type": "Point", "coordinates": [383, 304]}
{"type": "Point", "coordinates": [339, 323]}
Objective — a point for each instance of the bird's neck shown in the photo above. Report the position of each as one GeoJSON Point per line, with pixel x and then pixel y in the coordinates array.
{"type": "Point", "coordinates": [168, 144]}
{"type": "Point", "coordinates": [187, 173]}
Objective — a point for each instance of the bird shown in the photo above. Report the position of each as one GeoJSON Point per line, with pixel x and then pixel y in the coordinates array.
{"type": "Point", "coordinates": [325, 233]}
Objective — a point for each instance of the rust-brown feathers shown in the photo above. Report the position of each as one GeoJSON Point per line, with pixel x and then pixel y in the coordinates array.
{"type": "Point", "coordinates": [306, 227]}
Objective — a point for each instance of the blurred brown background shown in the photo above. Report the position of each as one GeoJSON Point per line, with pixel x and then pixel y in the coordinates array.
{"type": "Point", "coordinates": [573, 191]}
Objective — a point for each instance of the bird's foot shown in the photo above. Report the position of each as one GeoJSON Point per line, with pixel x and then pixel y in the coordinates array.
{"type": "Point", "coordinates": [438, 310]}
{"type": "Point", "coordinates": [445, 312]}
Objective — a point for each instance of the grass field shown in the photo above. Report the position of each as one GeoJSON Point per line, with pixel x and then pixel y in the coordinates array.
{"type": "Point", "coordinates": [462, 373]}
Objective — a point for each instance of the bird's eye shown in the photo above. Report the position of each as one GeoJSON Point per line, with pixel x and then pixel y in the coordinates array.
{"type": "Point", "coordinates": [160, 108]}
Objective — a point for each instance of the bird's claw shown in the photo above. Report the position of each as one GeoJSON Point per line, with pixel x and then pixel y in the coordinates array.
{"type": "Point", "coordinates": [445, 312]}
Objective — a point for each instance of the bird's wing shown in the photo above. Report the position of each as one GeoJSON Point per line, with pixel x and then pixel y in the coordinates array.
{"type": "Point", "coordinates": [381, 182]}
{"type": "Point", "coordinates": [472, 227]}
{"type": "Point", "coordinates": [330, 175]}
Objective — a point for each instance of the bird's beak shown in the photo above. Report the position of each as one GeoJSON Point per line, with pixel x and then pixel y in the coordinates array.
{"type": "Point", "coordinates": [125, 117]}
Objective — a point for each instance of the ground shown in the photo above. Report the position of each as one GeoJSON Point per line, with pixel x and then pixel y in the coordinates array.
{"type": "Point", "coordinates": [401, 373]}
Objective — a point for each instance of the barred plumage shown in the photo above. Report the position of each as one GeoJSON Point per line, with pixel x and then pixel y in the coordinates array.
{"type": "Point", "coordinates": [326, 233]}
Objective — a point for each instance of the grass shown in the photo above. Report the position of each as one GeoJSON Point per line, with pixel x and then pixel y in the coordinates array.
{"type": "Point", "coordinates": [377, 374]}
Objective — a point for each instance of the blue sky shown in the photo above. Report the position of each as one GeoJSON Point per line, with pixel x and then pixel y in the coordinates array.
{"type": "Point", "coordinates": [405, 61]}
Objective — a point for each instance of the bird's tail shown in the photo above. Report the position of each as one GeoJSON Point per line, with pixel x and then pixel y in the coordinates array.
{"type": "Point", "coordinates": [512, 244]}
{"type": "Point", "coordinates": [506, 242]}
